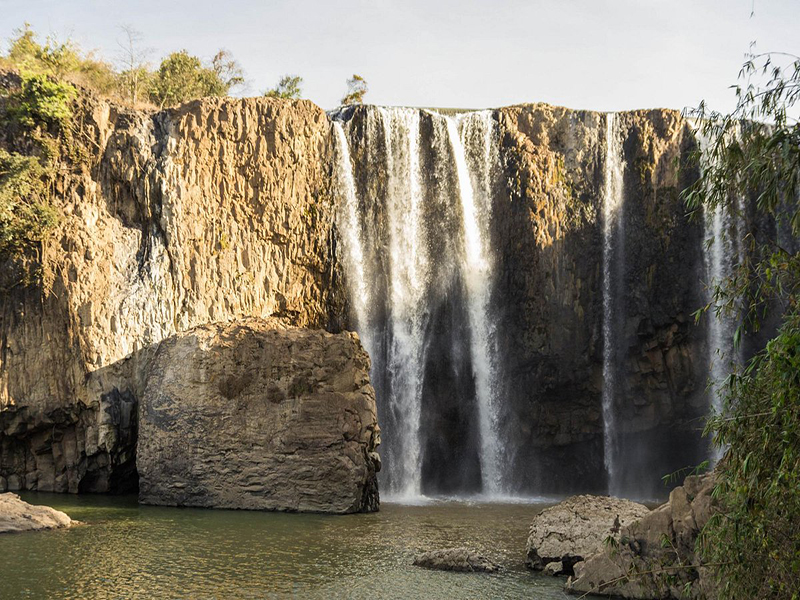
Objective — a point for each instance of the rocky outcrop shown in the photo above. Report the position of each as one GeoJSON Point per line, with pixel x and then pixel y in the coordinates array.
{"type": "Point", "coordinates": [462, 560]}
{"type": "Point", "coordinates": [655, 557]}
{"type": "Point", "coordinates": [548, 241]}
{"type": "Point", "coordinates": [577, 528]}
{"type": "Point", "coordinates": [212, 211]}
{"type": "Point", "coordinates": [254, 415]}
{"type": "Point", "coordinates": [17, 516]}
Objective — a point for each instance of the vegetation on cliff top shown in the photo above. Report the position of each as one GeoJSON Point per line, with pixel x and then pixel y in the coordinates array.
{"type": "Point", "coordinates": [178, 78]}
{"type": "Point", "coordinates": [754, 153]}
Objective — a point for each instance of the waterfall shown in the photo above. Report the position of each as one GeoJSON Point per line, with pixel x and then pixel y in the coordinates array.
{"type": "Point", "coordinates": [613, 198]}
{"type": "Point", "coordinates": [351, 240]}
{"type": "Point", "coordinates": [414, 218]}
{"type": "Point", "coordinates": [721, 259]}
{"type": "Point", "coordinates": [408, 276]}
{"type": "Point", "coordinates": [475, 193]}
{"type": "Point", "coordinates": [724, 229]}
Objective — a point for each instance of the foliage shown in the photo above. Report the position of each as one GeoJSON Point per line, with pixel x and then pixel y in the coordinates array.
{"type": "Point", "coordinates": [40, 101]}
{"type": "Point", "coordinates": [61, 59]}
{"type": "Point", "coordinates": [25, 212]}
{"type": "Point", "coordinates": [182, 77]}
{"type": "Point", "coordinates": [288, 87]}
{"type": "Point", "coordinates": [356, 90]}
{"type": "Point", "coordinates": [759, 489]}
{"type": "Point", "coordinates": [228, 71]}
{"type": "Point", "coordinates": [754, 153]}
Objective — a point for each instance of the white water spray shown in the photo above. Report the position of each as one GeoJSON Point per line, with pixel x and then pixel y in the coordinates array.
{"type": "Point", "coordinates": [613, 197]}
{"type": "Point", "coordinates": [477, 134]}
{"type": "Point", "coordinates": [408, 276]}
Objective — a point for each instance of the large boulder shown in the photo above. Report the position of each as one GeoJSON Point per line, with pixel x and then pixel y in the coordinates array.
{"type": "Point", "coordinates": [255, 415]}
{"type": "Point", "coordinates": [17, 516]}
{"type": "Point", "coordinates": [577, 528]}
{"type": "Point", "coordinates": [462, 560]}
{"type": "Point", "coordinates": [655, 556]}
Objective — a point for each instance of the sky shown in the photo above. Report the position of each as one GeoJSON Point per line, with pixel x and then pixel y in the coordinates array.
{"type": "Point", "coordinates": [592, 54]}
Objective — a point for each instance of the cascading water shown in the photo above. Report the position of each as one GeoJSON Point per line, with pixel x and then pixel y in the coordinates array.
{"type": "Point", "coordinates": [414, 226]}
{"type": "Point", "coordinates": [613, 198]}
{"type": "Point", "coordinates": [721, 260]}
{"type": "Point", "coordinates": [475, 193]}
{"type": "Point", "coordinates": [408, 282]}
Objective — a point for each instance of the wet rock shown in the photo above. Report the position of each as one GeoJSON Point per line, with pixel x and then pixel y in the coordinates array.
{"type": "Point", "coordinates": [461, 560]}
{"type": "Point", "coordinates": [577, 528]}
{"type": "Point", "coordinates": [662, 539]}
{"type": "Point", "coordinates": [554, 568]}
{"type": "Point", "coordinates": [257, 415]}
{"type": "Point", "coordinates": [17, 516]}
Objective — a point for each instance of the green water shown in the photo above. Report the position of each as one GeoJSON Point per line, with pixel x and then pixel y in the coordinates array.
{"type": "Point", "coordinates": [131, 551]}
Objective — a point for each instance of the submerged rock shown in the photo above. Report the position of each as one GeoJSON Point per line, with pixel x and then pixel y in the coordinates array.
{"type": "Point", "coordinates": [17, 515]}
{"type": "Point", "coordinates": [649, 561]}
{"type": "Point", "coordinates": [461, 560]}
{"type": "Point", "coordinates": [256, 415]}
{"type": "Point", "coordinates": [577, 528]}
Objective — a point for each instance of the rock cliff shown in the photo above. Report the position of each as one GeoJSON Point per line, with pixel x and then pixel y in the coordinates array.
{"type": "Point", "coordinates": [222, 209]}
{"type": "Point", "coordinates": [548, 240]}
{"type": "Point", "coordinates": [253, 415]}
{"type": "Point", "coordinates": [208, 212]}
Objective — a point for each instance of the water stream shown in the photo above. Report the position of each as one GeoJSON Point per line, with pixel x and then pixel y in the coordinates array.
{"type": "Point", "coordinates": [613, 228]}
{"type": "Point", "coordinates": [414, 223]}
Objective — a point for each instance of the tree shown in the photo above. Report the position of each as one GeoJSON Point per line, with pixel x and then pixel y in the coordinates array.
{"type": "Point", "coordinates": [60, 59]}
{"type": "Point", "coordinates": [754, 152]}
{"type": "Point", "coordinates": [356, 90]}
{"type": "Point", "coordinates": [227, 70]}
{"type": "Point", "coordinates": [288, 87]}
{"type": "Point", "coordinates": [182, 77]}
{"type": "Point", "coordinates": [135, 73]}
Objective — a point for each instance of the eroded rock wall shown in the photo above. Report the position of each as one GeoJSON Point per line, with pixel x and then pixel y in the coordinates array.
{"type": "Point", "coordinates": [548, 240]}
{"type": "Point", "coordinates": [253, 415]}
{"type": "Point", "coordinates": [212, 211]}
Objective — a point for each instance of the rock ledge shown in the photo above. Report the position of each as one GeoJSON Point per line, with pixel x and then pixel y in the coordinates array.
{"type": "Point", "coordinates": [17, 516]}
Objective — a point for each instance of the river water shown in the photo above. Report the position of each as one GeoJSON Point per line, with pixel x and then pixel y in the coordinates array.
{"type": "Point", "coordinates": [128, 551]}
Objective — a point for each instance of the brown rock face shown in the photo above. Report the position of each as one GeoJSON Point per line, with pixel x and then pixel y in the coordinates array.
{"type": "Point", "coordinates": [209, 212]}
{"type": "Point", "coordinates": [247, 415]}
{"type": "Point", "coordinates": [651, 559]}
{"type": "Point", "coordinates": [17, 516]}
{"type": "Point", "coordinates": [548, 243]}
{"type": "Point", "coordinates": [577, 528]}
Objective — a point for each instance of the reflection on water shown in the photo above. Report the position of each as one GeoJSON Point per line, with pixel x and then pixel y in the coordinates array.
{"type": "Point", "coordinates": [131, 551]}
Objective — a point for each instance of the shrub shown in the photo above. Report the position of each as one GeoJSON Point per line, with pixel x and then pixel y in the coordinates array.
{"type": "Point", "coordinates": [26, 215]}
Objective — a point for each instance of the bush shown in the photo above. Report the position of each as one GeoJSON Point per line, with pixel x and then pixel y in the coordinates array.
{"type": "Point", "coordinates": [26, 215]}
{"type": "Point", "coordinates": [288, 87]}
{"type": "Point", "coordinates": [41, 101]}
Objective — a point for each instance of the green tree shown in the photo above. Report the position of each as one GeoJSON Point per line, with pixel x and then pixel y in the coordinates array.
{"type": "Point", "coordinates": [356, 90]}
{"type": "Point", "coordinates": [60, 59]}
{"type": "Point", "coordinates": [754, 152]}
{"type": "Point", "coordinates": [182, 77]}
{"type": "Point", "coordinates": [288, 87]}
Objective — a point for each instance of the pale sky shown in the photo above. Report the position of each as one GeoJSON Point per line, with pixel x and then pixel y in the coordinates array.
{"type": "Point", "coordinates": [594, 54]}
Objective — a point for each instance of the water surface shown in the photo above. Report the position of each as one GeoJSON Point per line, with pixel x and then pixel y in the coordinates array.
{"type": "Point", "coordinates": [127, 551]}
